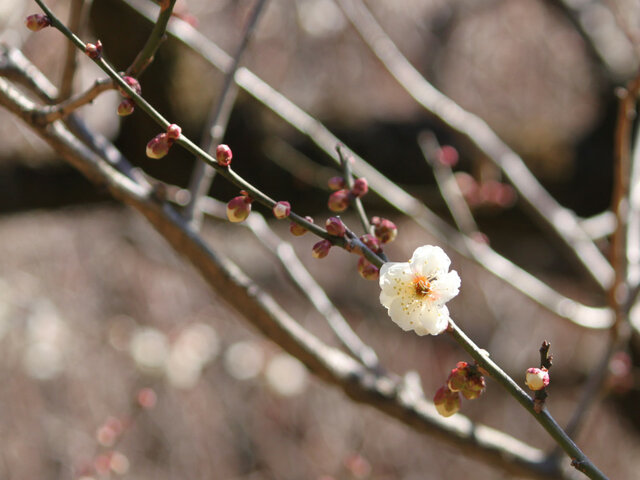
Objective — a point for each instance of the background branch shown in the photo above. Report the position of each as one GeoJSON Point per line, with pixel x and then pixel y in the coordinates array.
{"type": "Point", "coordinates": [216, 125]}
{"type": "Point", "coordinates": [561, 220]}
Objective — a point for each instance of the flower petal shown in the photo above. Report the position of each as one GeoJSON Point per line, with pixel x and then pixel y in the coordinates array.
{"type": "Point", "coordinates": [433, 319]}
{"type": "Point", "coordinates": [445, 287]}
{"type": "Point", "coordinates": [429, 260]}
{"type": "Point", "coordinates": [395, 278]}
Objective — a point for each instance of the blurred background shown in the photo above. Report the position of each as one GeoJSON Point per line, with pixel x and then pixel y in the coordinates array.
{"type": "Point", "coordinates": [118, 360]}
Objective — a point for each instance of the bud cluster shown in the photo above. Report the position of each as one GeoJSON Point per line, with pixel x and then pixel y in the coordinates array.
{"type": "Point", "coordinates": [367, 270]}
{"type": "Point", "coordinates": [384, 230]}
{"type": "Point", "coordinates": [342, 197]}
{"type": "Point", "coordinates": [127, 105]}
{"type": "Point", "coordinates": [93, 50]}
{"type": "Point", "coordinates": [467, 380]}
{"type": "Point", "coordinates": [297, 229]}
{"type": "Point", "coordinates": [335, 227]}
{"type": "Point", "coordinates": [464, 381]}
{"type": "Point", "coordinates": [490, 193]}
{"type": "Point", "coordinates": [281, 210]}
{"type": "Point", "coordinates": [321, 249]}
{"type": "Point", "coordinates": [159, 145]}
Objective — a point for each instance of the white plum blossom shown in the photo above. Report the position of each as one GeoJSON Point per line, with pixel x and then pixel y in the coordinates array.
{"type": "Point", "coordinates": [415, 292]}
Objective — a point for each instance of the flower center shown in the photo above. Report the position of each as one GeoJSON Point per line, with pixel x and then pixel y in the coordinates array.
{"type": "Point", "coordinates": [422, 285]}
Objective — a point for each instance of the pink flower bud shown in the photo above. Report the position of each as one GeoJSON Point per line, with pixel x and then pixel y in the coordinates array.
{"type": "Point", "coordinates": [297, 229]}
{"type": "Point", "coordinates": [447, 155]}
{"type": "Point", "coordinates": [458, 377]}
{"type": "Point", "coordinates": [446, 402]}
{"type": "Point", "coordinates": [497, 193]}
{"type": "Point", "coordinates": [239, 208]}
{"type": "Point", "coordinates": [147, 398]}
{"type": "Point", "coordinates": [335, 227]}
{"type": "Point", "coordinates": [173, 132]}
{"type": "Point", "coordinates": [133, 83]}
{"type": "Point", "coordinates": [126, 107]}
{"type": "Point", "coordinates": [371, 242]}
{"type": "Point", "coordinates": [474, 387]}
{"type": "Point", "coordinates": [384, 230]}
{"type": "Point", "coordinates": [158, 146]}
{"type": "Point", "coordinates": [466, 380]}
{"type": "Point", "coordinates": [339, 201]}
{"type": "Point", "coordinates": [321, 249]}
{"type": "Point", "coordinates": [37, 22]}
{"type": "Point", "coordinates": [281, 210]}
{"type": "Point", "coordinates": [469, 188]}
{"type": "Point", "coordinates": [224, 155]}
{"type": "Point", "coordinates": [336, 183]}
{"type": "Point", "coordinates": [537, 378]}
{"type": "Point", "coordinates": [367, 270]}
{"type": "Point", "coordinates": [94, 51]}
{"type": "Point", "coordinates": [360, 187]}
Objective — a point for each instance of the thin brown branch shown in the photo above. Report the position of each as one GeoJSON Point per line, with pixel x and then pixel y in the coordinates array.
{"type": "Point", "coordinates": [264, 313]}
{"type": "Point", "coordinates": [633, 219]}
{"type": "Point", "coordinates": [560, 220]}
{"type": "Point", "coordinates": [620, 204]}
{"type": "Point", "coordinates": [501, 267]}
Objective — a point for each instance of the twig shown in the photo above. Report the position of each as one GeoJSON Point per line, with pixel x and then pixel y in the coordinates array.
{"type": "Point", "coordinates": [263, 312]}
{"type": "Point", "coordinates": [303, 280]}
{"type": "Point", "coordinates": [562, 306]}
{"type": "Point", "coordinates": [145, 56]}
{"type": "Point", "coordinates": [61, 110]}
{"type": "Point", "coordinates": [561, 220]}
{"type": "Point", "coordinates": [345, 162]}
{"type": "Point", "coordinates": [216, 125]}
{"type": "Point", "coordinates": [77, 14]}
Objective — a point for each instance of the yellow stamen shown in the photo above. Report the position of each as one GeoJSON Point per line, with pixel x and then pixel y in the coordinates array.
{"type": "Point", "coordinates": [421, 285]}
